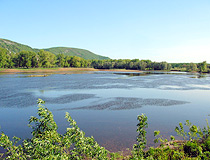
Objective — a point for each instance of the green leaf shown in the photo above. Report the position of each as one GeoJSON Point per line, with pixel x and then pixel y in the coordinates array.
{"type": "Point", "coordinates": [156, 133]}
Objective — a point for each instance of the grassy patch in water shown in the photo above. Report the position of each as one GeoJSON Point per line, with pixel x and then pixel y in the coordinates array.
{"type": "Point", "coordinates": [39, 75]}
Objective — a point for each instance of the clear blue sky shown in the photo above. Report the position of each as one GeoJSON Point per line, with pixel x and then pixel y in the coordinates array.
{"type": "Point", "coordinates": [159, 30]}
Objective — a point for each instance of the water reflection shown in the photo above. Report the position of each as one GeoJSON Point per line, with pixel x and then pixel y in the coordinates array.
{"type": "Point", "coordinates": [131, 74]}
{"type": "Point", "coordinates": [200, 76]}
{"type": "Point", "coordinates": [146, 73]}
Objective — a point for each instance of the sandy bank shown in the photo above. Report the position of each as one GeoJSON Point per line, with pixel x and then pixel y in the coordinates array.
{"type": "Point", "coordinates": [57, 70]}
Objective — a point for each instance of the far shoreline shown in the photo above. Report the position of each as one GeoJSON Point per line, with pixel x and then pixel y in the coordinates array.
{"type": "Point", "coordinates": [57, 70]}
{"type": "Point", "coordinates": [76, 70]}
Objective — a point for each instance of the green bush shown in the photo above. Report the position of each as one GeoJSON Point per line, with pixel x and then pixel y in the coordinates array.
{"type": "Point", "coordinates": [47, 143]}
{"type": "Point", "coordinates": [192, 149]}
{"type": "Point", "coordinates": [206, 144]}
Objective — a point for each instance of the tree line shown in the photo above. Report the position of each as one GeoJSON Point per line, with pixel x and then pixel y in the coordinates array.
{"type": "Point", "coordinates": [46, 59]}
{"type": "Point", "coordinates": [192, 67]}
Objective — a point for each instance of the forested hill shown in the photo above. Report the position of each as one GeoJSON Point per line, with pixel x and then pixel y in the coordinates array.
{"type": "Point", "coordinates": [75, 52]}
{"type": "Point", "coordinates": [17, 47]}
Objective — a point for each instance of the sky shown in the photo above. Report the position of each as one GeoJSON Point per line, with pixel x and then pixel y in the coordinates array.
{"type": "Point", "coordinates": [159, 30]}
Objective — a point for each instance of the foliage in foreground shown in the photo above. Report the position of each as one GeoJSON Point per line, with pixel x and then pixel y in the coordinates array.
{"type": "Point", "coordinates": [47, 143]}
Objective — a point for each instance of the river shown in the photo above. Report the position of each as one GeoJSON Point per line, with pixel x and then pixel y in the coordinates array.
{"type": "Point", "coordinates": [105, 105]}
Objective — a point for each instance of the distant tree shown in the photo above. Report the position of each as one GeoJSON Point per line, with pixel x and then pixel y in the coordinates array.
{"type": "Point", "coordinates": [142, 65]}
{"type": "Point", "coordinates": [202, 67]}
{"type": "Point", "coordinates": [68, 60]}
{"type": "Point", "coordinates": [156, 66]}
{"type": "Point", "coordinates": [130, 65]}
{"type": "Point", "coordinates": [3, 58]}
{"type": "Point", "coordinates": [34, 60]}
{"type": "Point", "coordinates": [163, 65]}
{"type": "Point", "coordinates": [84, 63]}
{"type": "Point", "coordinates": [169, 67]}
{"type": "Point", "coordinates": [192, 67]}
{"type": "Point", "coordinates": [47, 59]}
{"type": "Point", "coordinates": [135, 60]}
{"type": "Point", "coordinates": [121, 64]}
{"type": "Point", "coordinates": [149, 64]}
{"type": "Point", "coordinates": [136, 65]}
{"type": "Point", "coordinates": [94, 63]}
{"type": "Point", "coordinates": [107, 65]}
{"type": "Point", "coordinates": [24, 59]}
{"type": "Point", "coordinates": [75, 62]}
{"type": "Point", "coordinates": [88, 63]}
{"type": "Point", "coordinates": [10, 60]}
{"type": "Point", "coordinates": [60, 60]}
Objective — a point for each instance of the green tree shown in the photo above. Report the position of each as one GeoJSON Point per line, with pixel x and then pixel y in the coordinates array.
{"type": "Point", "coordinates": [142, 65]}
{"type": "Point", "coordinates": [34, 59]}
{"type": "Point", "coordinates": [75, 62]}
{"type": "Point", "coordinates": [11, 60]}
{"type": "Point", "coordinates": [24, 59]}
{"type": "Point", "coordinates": [3, 57]}
{"type": "Point", "coordinates": [169, 67]}
{"type": "Point", "coordinates": [163, 65]}
{"type": "Point", "coordinates": [60, 60]}
{"type": "Point", "coordinates": [46, 59]}
{"type": "Point", "coordinates": [67, 61]}
{"type": "Point", "coordinates": [192, 67]}
{"type": "Point", "coordinates": [202, 66]}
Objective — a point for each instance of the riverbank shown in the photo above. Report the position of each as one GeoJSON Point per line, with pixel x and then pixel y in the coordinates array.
{"type": "Point", "coordinates": [53, 70]}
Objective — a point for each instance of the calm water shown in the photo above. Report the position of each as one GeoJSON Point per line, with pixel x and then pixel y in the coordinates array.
{"type": "Point", "coordinates": [106, 104]}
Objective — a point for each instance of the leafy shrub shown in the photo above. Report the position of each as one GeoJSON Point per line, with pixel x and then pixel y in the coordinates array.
{"type": "Point", "coordinates": [47, 143]}
{"type": "Point", "coordinates": [141, 138]}
{"type": "Point", "coordinates": [192, 149]}
{"type": "Point", "coordinates": [206, 144]}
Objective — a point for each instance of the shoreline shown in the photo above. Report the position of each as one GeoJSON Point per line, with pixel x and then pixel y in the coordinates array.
{"type": "Point", "coordinates": [54, 70]}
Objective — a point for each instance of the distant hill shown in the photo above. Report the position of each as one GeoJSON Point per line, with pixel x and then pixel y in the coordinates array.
{"type": "Point", "coordinates": [17, 47]}
{"type": "Point", "coordinates": [75, 52]}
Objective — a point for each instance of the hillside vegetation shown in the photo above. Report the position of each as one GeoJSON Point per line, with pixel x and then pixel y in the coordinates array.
{"type": "Point", "coordinates": [75, 52]}
{"type": "Point", "coordinates": [17, 47]}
